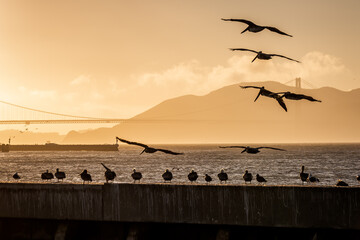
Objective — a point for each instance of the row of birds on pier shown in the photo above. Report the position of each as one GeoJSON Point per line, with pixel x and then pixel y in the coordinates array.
{"type": "Point", "coordinates": [168, 176]}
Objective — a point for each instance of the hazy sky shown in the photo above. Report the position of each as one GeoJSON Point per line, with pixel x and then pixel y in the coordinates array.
{"type": "Point", "coordinates": [114, 58]}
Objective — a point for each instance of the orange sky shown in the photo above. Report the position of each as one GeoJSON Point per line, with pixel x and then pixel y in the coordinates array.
{"type": "Point", "coordinates": [118, 58]}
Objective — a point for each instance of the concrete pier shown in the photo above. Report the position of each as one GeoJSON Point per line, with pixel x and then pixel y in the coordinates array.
{"type": "Point", "coordinates": [296, 207]}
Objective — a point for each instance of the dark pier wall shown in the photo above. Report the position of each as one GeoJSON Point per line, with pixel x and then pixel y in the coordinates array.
{"type": "Point", "coordinates": [257, 206]}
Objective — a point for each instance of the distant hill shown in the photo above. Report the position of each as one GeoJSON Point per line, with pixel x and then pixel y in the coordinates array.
{"type": "Point", "coordinates": [28, 137]}
{"type": "Point", "coordinates": [230, 115]}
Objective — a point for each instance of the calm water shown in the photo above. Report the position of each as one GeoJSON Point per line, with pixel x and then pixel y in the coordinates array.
{"type": "Point", "coordinates": [328, 162]}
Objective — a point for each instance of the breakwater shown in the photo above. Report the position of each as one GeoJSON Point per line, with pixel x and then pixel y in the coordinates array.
{"type": "Point", "coordinates": [220, 205]}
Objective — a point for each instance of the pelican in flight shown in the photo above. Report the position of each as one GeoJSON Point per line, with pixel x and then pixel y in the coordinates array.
{"type": "Point", "coordinates": [148, 149]}
{"type": "Point", "coordinates": [252, 150]}
{"type": "Point", "coordinates": [295, 96]}
{"type": "Point", "coordinates": [252, 27]}
{"type": "Point", "coordinates": [261, 55]}
{"type": "Point", "coordinates": [269, 94]}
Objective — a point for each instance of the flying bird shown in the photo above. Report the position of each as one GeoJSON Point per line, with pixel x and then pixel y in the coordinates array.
{"type": "Point", "coordinates": [85, 176]}
{"type": "Point", "coordinates": [109, 175]}
{"type": "Point", "coordinates": [167, 175]}
{"type": "Point", "coordinates": [252, 150]}
{"type": "Point", "coordinates": [60, 175]}
{"type": "Point", "coordinates": [148, 149]}
{"type": "Point", "coordinates": [261, 55]}
{"type": "Point", "coordinates": [136, 175]}
{"type": "Point", "coordinates": [252, 27]}
{"type": "Point", "coordinates": [295, 96]}
{"type": "Point", "coordinates": [303, 176]}
{"type": "Point", "coordinates": [260, 179]}
{"type": "Point", "coordinates": [223, 176]}
{"type": "Point", "coordinates": [267, 93]}
{"type": "Point", "coordinates": [247, 176]}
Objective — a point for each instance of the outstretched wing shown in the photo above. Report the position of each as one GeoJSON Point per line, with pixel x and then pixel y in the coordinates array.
{"type": "Point", "coordinates": [169, 152]}
{"type": "Point", "coordinates": [243, 49]}
{"type": "Point", "coordinates": [277, 55]}
{"type": "Point", "coordinates": [250, 87]}
{"type": "Point", "coordinates": [273, 29]}
{"type": "Point", "coordinates": [232, 147]}
{"type": "Point", "coordinates": [273, 148]}
{"type": "Point", "coordinates": [282, 103]}
{"type": "Point", "coordinates": [309, 98]}
{"type": "Point", "coordinates": [239, 20]}
{"type": "Point", "coordinates": [132, 143]}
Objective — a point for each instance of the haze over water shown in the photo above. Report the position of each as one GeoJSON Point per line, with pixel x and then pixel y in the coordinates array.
{"type": "Point", "coordinates": [328, 162]}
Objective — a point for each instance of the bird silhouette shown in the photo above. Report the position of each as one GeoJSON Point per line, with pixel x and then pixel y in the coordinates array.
{"type": "Point", "coordinates": [358, 177]}
{"type": "Point", "coordinates": [85, 176]}
{"type": "Point", "coordinates": [251, 150]}
{"type": "Point", "coordinates": [148, 149]}
{"type": "Point", "coordinates": [263, 56]}
{"type": "Point", "coordinates": [167, 175]}
{"type": "Point", "coordinates": [295, 96]}
{"type": "Point", "coordinates": [252, 27]}
{"type": "Point", "coordinates": [208, 179]}
{"type": "Point", "coordinates": [47, 175]}
{"type": "Point", "coordinates": [313, 179]}
{"type": "Point", "coordinates": [60, 175]}
{"type": "Point", "coordinates": [192, 176]}
{"type": "Point", "coordinates": [16, 176]}
{"type": "Point", "coordinates": [109, 175]}
{"type": "Point", "coordinates": [303, 176]}
{"type": "Point", "coordinates": [267, 93]}
{"type": "Point", "coordinates": [136, 175]}
{"type": "Point", "coordinates": [247, 176]}
{"type": "Point", "coordinates": [222, 176]}
{"type": "Point", "coordinates": [260, 179]}
{"type": "Point", "coordinates": [341, 183]}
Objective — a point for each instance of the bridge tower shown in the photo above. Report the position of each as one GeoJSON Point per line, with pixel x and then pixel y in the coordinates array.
{"type": "Point", "coordinates": [298, 82]}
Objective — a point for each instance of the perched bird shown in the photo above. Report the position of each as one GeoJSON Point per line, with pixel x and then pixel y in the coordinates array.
{"type": "Point", "coordinates": [109, 175]}
{"type": "Point", "coordinates": [358, 177]}
{"type": "Point", "coordinates": [60, 175]}
{"type": "Point", "coordinates": [247, 176]}
{"type": "Point", "coordinates": [312, 178]}
{"type": "Point", "coordinates": [341, 183]}
{"type": "Point", "coordinates": [136, 175]}
{"type": "Point", "coordinates": [208, 178]}
{"type": "Point", "coordinates": [263, 56]}
{"type": "Point", "coordinates": [47, 175]}
{"type": "Point", "coordinates": [267, 93]}
{"type": "Point", "coordinates": [295, 96]}
{"type": "Point", "coordinates": [167, 175]}
{"type": "Point", "coordinates": [303, 176]}
{"type": "Point", "coordinates": [16, 176]}
{"type": "Point", "coordinates": [192, 176]}
{"type": "Point", "coordinates": [260, 179]}
{"type": "Point", "coordinates": [85, 176]}
{"type": "Point", "coordinates": [252, 27]}
{"type": "Point", "coordinates": [251, 150]}
{"type": "Point", "coordinates": [223, 176]}
{"type": "Point", "coordinates": [148, 149]}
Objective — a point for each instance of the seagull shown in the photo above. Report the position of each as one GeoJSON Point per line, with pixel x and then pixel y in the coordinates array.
{"type": "Point", "coordinates": [148, 149]}
{"type": "Point", "coordinates": [267, 93]}
{"type": "Point", "coordinates": [136, 175]}
{"type": "Point", "coordinates": [208, 178]}
{"type": "Point", "coordinates": [85, 176]}
{"type": "Point", "coordinates": [255, 28]}
{"type": "Point", "coordinates": [261, 55]}
{"type": "Point", "coordinates": [247, 176]}
{"type": "Point", "coordinates": [251, 150]}
{"type": "Point", "coordinates": [16, 176]}
{"type": "Point", "coordinates": [109, 175]}
{"type": "Point", "coordinates": [341, 183]}
{"type": "Point", "coordinates": [223, 176]}
{"type": "Point", "coordinates": [192, 176]}
{"type": "Point", "coordinates": [60, 175]}
{"type": "Point", "coordinates": [260, 179]}
{"type": "Point", "coordinates": [312, 178]}
{"type": "Point", "coordinates": [295, 96]}
{"type": "Point", "coordinates": [47, 175]}
{"type": "Point", "coordinates": [303, 176]}
{"type": "Point", "coordinates": [167, 175]}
